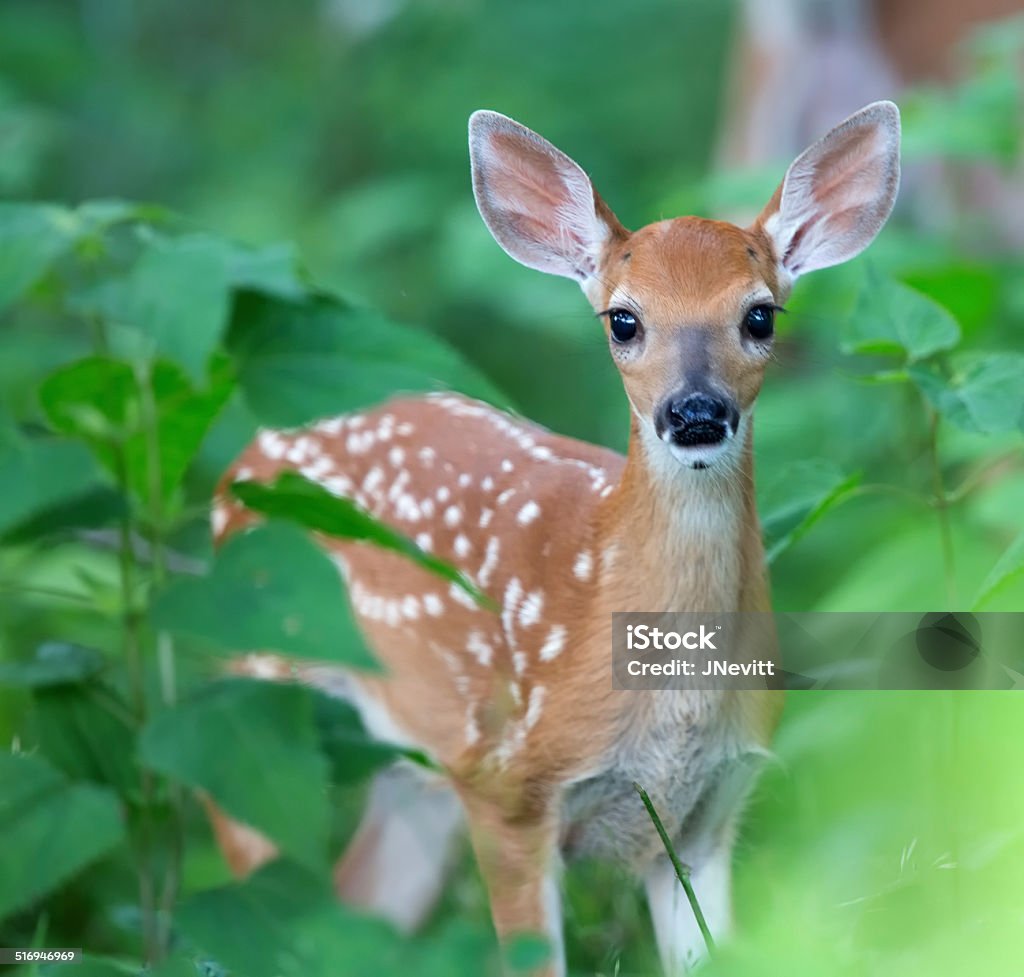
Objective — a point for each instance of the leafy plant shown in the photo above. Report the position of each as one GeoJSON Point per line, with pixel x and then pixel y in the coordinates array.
{"type": "Point", "coordinates": [181, 326]}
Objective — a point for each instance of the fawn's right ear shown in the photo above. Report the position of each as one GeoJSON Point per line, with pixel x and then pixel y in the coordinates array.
{"type": "Point", "coordinates": [539, 205]}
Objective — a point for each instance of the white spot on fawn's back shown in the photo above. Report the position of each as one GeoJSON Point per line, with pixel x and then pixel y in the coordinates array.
{"type": "Point", "coordinates": [433, 605]}
{"type": "Point", "coordinates": [530, 609]}
{"type": "Point", "coordinates": [528, 513]}
{"type": "Point", "coordinates": [584, 566]}
{"type": "Point", "coordinates": [553, 644]}
{"type": "Point", "coordinates": [490, 561]}
{"type": "Point", "coordinates": [272, 445]}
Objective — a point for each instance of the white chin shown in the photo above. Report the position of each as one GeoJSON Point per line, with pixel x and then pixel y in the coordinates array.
{"type": "Point", "coordinates": [698, 455]}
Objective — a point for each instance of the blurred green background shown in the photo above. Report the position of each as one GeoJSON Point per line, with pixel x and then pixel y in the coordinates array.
{"type": "Point", "coordinates": [889, 838]}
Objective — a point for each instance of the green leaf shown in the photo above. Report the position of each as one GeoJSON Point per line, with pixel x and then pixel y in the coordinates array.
{"type": "Point", "coordinates": [103, 402]}
{"type": "Point", "coordinates": [95, 508]}
{"type": "Point", "coordinates": [792, 503]}
{"type": "Point", "coordinates": [85, 731]}
{"type": "Point", "coordinates": [54, 663]}
{"type": "Point", "coordinates": [1009, 569]}
{"type": "Point", "coordinates": [177, 294]}
{"type": "Point", "coordinates": [294, 497]}
{"type": "Point", "coordinates": [273, 269]}
{"type": "Point", "coordinates": [32, 237]}
{"type": "Point", "coordinates": [984, 393]}
{"type": "Point", "coordinates": [253, 747]}
{"type": "Point", "coordinates": [39, 473]}
{"type": "Point", "coordinates": [298, 361]}
{"type": "Point", "coordinates": [286, 922]}
{"type": "Point", "coordinates": [273, 588]}
{"type": "Point", "coordinates": [51, 829]}
{"type": "Point", "coordinates": [890, 317]}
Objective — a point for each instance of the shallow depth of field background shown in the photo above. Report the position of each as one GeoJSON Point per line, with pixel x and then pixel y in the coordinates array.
{"type": "Point", "coordinates": [889, 838]}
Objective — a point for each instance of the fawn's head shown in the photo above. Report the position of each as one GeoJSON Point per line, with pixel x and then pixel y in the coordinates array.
{"type": "Point", "coordinates": [688, 304]}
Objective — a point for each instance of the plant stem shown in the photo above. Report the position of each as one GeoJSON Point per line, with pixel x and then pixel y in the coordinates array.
{"type": "Point", "coordinates": [164, 645]}
{"type": "Point", "coordinates": [682, 872]}
{"type": "Point", "coordinates": [942, 502]}
{"type": "Point", "coordinates": [133, 658]}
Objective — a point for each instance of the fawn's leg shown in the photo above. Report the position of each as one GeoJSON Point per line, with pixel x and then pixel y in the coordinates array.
{"type": "Point", "coordinates": [397, 861]}
{"type": "Point", "coordinates": [518, 858]}
{"type": "Point", "coordinates": [681, 945]}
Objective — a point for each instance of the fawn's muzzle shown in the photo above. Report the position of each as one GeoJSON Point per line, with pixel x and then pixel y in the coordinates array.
{"type": "Point", "coordinates": [699, 419]}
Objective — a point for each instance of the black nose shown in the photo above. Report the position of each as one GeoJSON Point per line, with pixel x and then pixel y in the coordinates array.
{"type": "Point", "coordinates": [698, 419]}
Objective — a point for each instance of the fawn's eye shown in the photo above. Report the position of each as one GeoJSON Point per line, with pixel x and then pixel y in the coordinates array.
{"type": "Point", "coordinates": [623, 325]}
{"type": "Point", "coordinates": [760, 321]}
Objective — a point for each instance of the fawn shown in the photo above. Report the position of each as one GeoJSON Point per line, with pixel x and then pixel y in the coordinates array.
{"type": "Point", "coordinates": [517, 704]}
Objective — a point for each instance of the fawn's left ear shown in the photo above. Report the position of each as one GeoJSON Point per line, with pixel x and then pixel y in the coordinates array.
{"type": "Point", "coordinates": [837, 194]}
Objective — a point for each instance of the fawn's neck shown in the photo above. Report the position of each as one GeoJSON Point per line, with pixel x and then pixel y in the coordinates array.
{"type": "Point", "coordinates": [677, 538]}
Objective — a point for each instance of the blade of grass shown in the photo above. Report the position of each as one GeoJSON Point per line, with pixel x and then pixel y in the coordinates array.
{"type": "Point", "coordinates": [682, 872]}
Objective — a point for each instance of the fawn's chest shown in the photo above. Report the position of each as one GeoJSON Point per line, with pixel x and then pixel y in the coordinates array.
{"type": "Point", "coordinates": [682, 749]}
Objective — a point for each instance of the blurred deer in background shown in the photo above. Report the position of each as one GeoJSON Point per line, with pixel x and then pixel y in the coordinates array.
{"type": "Point", "coordinates": [797, 64]}
{"type": "Point", "coordinates": [517, 705]}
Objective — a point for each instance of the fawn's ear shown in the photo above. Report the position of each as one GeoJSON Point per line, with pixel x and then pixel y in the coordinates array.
{"type": "Point", "coordinates": [837, 194]}
{"type": "Point", "coordinates": [539, 205]}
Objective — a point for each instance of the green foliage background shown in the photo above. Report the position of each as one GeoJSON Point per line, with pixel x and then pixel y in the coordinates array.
{"type": "Point", "coordinates": [142, 344]}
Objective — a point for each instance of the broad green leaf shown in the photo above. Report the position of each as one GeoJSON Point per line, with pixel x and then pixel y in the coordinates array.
{"type": "Point", "coordinates": [302, 360]}
{"type": "Point", "coordinates": [86, 731]}
{"type": "Point", "coordinates": [253, 747]}
{"type": "Point", "coordinates": [51, 828]}
{"type": "Point", "coordinates": [92, 509]}
{"type": "Point", "coordinates": [794, 501]}
{"type": "Point", "coordinates": [890, 317]}
{"type": "Point", "coordinates": [177, 294]}
{"type": "Point", "coordinates": [984, 393]}
{"type": "Point", "coordinates": [54, 663]}
{"type": "Point", "coordinates": [285, 922]}
{"type": "Point", "coordinates": [39, 473]}
{"type": "Point", "coordinates": [103, 401]}
{"type": "Point", "coordinates": [1009, 569]}
{"type": "Point", "coordinates": [273, 269]}
{"type": "Point", "coordinates": [294, 497]}
{"type": "Point", "coordinates": [270, 588]}
{"type": "Point", "coordinates": [32, 237]}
